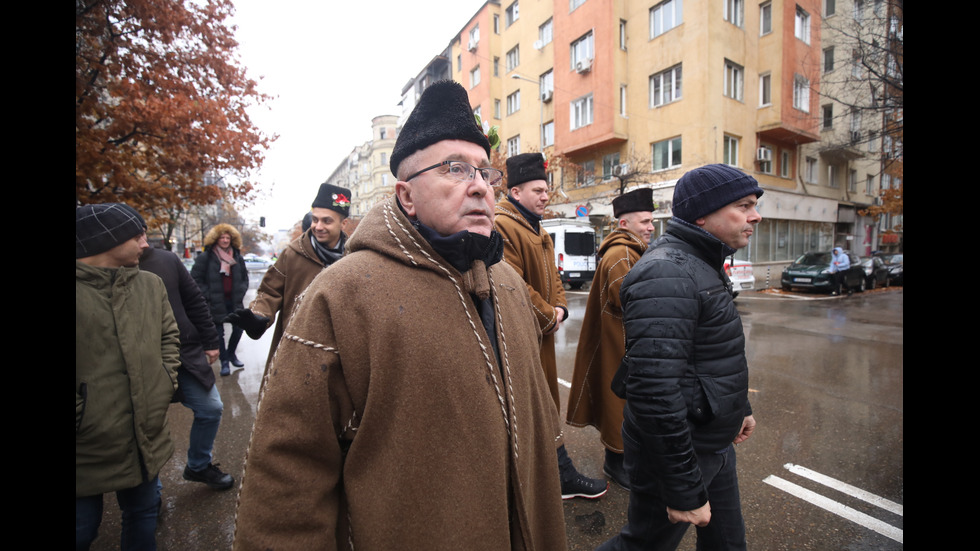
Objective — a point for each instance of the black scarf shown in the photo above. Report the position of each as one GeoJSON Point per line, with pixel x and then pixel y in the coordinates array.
{"type": "Point", "coordinates": [531, 218]}
{"type": "Point", "coordinates": [326, 254]}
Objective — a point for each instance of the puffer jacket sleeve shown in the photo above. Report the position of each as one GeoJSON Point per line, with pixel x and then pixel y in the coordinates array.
{"type": "Point", "coordinates": [660, 315]}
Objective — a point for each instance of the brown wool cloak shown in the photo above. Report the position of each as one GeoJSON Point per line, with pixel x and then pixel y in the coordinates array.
{"type": "Point", "coordinates": [602, 343]}
{"type": "Point", "coordinates": [533, 256]}
{"type": "Point", "coordinates": [283, 283]}
{"type": "Point", "coordinates": [448, 449]}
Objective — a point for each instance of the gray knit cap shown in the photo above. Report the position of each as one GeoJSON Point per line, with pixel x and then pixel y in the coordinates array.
{"type": "Point", "coordinates": [104, 226]}
{"type": "Point", "coordinates": [708, 188]}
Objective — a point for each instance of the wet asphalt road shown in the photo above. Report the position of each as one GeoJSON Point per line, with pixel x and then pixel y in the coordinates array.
{"type": "Point", "coordinates": [826, 383]}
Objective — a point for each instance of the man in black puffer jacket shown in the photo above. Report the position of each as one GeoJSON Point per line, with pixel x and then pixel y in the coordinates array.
{"type": "Point", "coordinates": [684, 375]}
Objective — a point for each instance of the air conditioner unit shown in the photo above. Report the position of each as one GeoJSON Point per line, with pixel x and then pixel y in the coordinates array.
{"type": "Point", "coordinates": [764, 154]}
{"type": "Point", "coordinates": [855, 136]}
{"type": "Point", "coordinates": [471, 46]}
{"type": "Point", "coordinates": [624, 168]}
{"type": "Point", "coordinates": [583, 66]}
{"type": "Point", "coordinates": [538, 44]}
{"type": "Point", "coordinates": [547, 95]}
{"type": "Point", "coordinates": [617, 170]}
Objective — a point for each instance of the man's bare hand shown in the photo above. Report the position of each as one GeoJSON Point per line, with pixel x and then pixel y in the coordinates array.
{"type": "Point", "coordinates": [748, 425]}
{"type": "Point", "coordinates": [212, 355]}
{"type": "Point", "coordinates": [698, 517]}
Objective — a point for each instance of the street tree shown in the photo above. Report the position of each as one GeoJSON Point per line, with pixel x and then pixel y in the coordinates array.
{"type": "Point", "coordinates": [161, 101]}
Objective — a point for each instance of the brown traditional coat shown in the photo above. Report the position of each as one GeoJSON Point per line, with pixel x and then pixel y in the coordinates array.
{"type": "Point", "coordinates": [284, 282]}
{"type": "Point", "coordinates": [386, 357]}
{"type": "Point", "coordinates": [602, 342]}
{"type": "Point", "coordinates": [532, 254]}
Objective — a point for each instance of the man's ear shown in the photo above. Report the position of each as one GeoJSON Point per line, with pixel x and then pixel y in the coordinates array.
{"type": "Point", "coordinates": [403, 191]}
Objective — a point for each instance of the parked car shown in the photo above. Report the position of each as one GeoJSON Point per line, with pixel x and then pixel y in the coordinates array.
{"type": "Point", "coordinates": [895, 262]}
{"type": "Point", "coordinates": [875, 272]}
{"type": "Point", "coordinates": [741, 274]}
{"type": "Point", "coordinates": [812, 271]}
{"type": "Point", "coordinates": [255, 263]}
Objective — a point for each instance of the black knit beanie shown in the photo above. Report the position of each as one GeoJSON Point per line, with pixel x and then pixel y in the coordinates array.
{"type": "Point", "coordinates": [104, 226]}
{"type": "Point", "coordinates": [442, 113]}
{"type": "Point", "coordinates": [708, 188]}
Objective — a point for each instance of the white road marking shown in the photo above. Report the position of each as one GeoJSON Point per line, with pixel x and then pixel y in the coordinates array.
{"type": "Point", "coordinates": [564, 383]}
{"type": "Point", "coordinates": [837, 508]}
{"type": "Point", "coordinates": [846, 488]}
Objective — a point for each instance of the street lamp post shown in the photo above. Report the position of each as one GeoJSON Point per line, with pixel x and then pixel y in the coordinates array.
{"type": "Point", "coordinates": [541, 110]}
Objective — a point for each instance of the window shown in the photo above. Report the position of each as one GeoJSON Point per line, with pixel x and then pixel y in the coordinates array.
{"type": "Point", "coordinates": [665, 87]}
{"type": "Point", "coordinates": [828, 116]}
{"type": "Point", "coordinates": [869, 185]}
{"type": "Point", "coordinates": [830, 7]}
{"type": "Point", "coordinates": [811, 170]}
{"type": "Point", "coordinates": [731, 151]}
{"type": "Point", "coordinates": [474, 37]}
{"type": "Point", "coordinates": [872, 141]}
{"type": "Point", "coordinates": [496, 66]}
{"type": "Point", "coordinates": [734, 76]}
{"type": "Point", "coordinates": [665, 16]}
{"type": "Point", "coordinates": [622, 100]}
{"type": "Point", "coordinates": [885, 181]}
{"type": "Point", "coordinates": [859, 10]}
{"type": "Point", "coordinates": [511, 14]}
{"type": "Point", "coordinates": [513, 58]}
{"type": "Point", "coordinates": [856, 68]}
{"type": "Point", "coordinates": [496, 108]}
{"type": "Point", "coordinates": [514, 102]}
{"type": "Point", "coordinates": [496, 24]}
{"type": "Point", "coordinates": [855, 121]}
{"type": "Point", "coordinates": [581, 112]}
{"type": "Point", "coordinates": [765, 18]}
{"type": "Point", "coordinates": [622, 35]}
{"type": "Point", "coordinates": [608, 162]}
{"type": "Point", "coordinates": [582, 49]}
{"type": "Point", "coordinates": [784, 164]}
{"type": "Point", "coordinates": [545, 32]}
{"type": "Point", "coordinates": [384, 158]}
{"type": "Point", "coordinates": [833, 176]}
{"type": "Point", "coordinates": [586, 176]}
{"type": "Point", "coordinates": [572, 4]}
{"type": "Point", "coordinates": [459, 62]}
{"type": "Point", "coordinates": [548, 134]}
{"type": "Point", "coordinates": [852, 181]}
{"type": "Point", "coordinates": [801, 93]}
{"type": "Point", "coordinates": [802, 29]}
{"type": "Point", "coordinates": [667, 154]}
{"type": "Point", "coordinates": [475, 76]}
{"type": "Point", "coordinates": [765, 89]}
{"type": "Point", "coordinates": [546, 83]}
{"type": "Point", "coordinates": [514, 146]}
{"type": "Point", "coordinates": [828, 59]}
{"type": "Point", "coordinates": [765, 163]}
{"type": "Point", "coordinates": [734, 11]}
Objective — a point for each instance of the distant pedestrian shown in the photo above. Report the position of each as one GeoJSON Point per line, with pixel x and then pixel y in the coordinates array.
{"type": "Point", "coordinates": [320, 245]}
{"type": "Point", "coordinates": [530, 251]}
{"type": "Point", "coordinates": [839, 264]}
{"type": "Point", "coordinates": [602, 342]}
{"type": "Point", "coordinates": [221, 274]}
{"type": "Point", "coordinates": [127, 351]}
{"type": "Point", "coordinates": [199, 348]}
{"type": "Point", "coordinates": [685, 376]}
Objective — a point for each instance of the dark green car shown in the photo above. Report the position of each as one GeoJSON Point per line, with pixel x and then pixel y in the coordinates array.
{"type": "Point", "coordinates": [812, 271]}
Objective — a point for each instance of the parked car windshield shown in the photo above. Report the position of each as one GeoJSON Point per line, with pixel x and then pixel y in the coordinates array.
{"type": "Point", "coordinates": [814, 259]}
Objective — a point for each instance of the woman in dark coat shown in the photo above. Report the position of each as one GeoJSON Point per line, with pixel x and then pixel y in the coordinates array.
{"type": "Point", "coordinates": [221, 274]}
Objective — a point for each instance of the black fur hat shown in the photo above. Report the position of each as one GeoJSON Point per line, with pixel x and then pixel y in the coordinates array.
{"type": "Point", "coordinates": [638, 200]}
{"type": "Point", "coordinates": [524, 168]}
{"type": "Point", "coordinates": [442, 113]}
{"type": "Point", "coordinates": [334, 198]}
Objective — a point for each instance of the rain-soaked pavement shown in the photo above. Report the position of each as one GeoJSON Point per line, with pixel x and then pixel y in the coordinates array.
{"type": "Point", "coordinates": [823, 470]}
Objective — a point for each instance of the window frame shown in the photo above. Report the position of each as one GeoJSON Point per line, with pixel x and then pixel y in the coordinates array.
{"type": "Point", "coordinates": [730, 150]}
{"type": "Point", "coordinates": [734, 85]}
{"type": "Point", "coordinates": [581, 106]}
{"type": "Point", "coordinates": [657, 89]}
{"type": "Point", "coordinates": [588, 39]}
{"type": "Point", "coordinates": [674, 154]}
{"type": "Point", "coordinates": [672, 8]}
{"type": "Point", "coordinates": [513, 102]}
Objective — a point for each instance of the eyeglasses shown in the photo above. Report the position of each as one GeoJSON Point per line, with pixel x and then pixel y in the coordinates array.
{"type": "Point", "coordinates": [465, 172]}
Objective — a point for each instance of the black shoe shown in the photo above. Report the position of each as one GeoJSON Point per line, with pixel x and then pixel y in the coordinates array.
{"type": "Point", "coordinates": [614, 471]}
{"type": "Point", "coordinates": [225, 368]}
{"type": "Point", "coordinates": [235, 361]}
{"type": "Point", "coordinates": [210, 475]}
{"type": "Point", "coordinates": [583, 486]}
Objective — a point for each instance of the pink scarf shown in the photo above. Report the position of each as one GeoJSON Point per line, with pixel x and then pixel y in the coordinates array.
{"type": "Point", "coordinates": [227, 258]}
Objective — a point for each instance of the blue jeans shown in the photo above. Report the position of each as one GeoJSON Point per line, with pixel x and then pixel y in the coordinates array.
{"type": "Point", "coordinates": [647, 526]}
{"type": "Point", "coordinates": [207, 407]}
{"type": "Point", "coordinates": [140, 506]}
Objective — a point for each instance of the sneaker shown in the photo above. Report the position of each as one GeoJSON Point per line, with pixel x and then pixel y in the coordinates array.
{"type": "Point", "coordinates": [210, 475]}
{"type": "Point", "coordinates": [583, 486]}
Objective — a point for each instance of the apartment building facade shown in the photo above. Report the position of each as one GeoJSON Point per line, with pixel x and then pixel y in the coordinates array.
{"type": "Point", "coordinates": [365, 170]}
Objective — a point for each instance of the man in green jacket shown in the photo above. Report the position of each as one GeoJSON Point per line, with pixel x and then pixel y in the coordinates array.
{"type": "Point", "coordinates": [127, 351]}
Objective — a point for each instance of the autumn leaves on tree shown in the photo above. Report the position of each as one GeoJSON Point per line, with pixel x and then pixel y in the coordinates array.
{"type": "Point", "coordinates": [160, 105]}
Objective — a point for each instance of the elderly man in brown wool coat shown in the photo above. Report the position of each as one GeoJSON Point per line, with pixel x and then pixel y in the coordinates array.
{"type": "Point", "coordinates": [602, 343]}
{"type": "Point", "coordinates": [529, 249]}
{"type": "Point", "coordinates": [406, 407]}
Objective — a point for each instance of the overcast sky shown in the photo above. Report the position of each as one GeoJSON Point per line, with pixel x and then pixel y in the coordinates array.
{"type": "Point", "coordinates": [332, 66]}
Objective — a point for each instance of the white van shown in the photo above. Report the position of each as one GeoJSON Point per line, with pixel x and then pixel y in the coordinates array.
{"type": "Point", "coordinates": [575, 249]}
